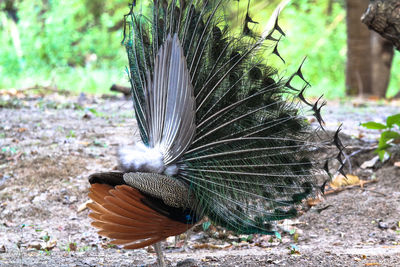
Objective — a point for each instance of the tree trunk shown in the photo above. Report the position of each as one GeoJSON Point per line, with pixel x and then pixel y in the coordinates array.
{"type": "Point", "coordinates": [382, 56]}
{"type": "Point", "coordinates": [329, 8]}
{"type": "Point", "coordinates": [11, 10]}
{"type": "Point", "coordinates": [358, 67]}
{"type": "Point", "coordinates": [383, 16]}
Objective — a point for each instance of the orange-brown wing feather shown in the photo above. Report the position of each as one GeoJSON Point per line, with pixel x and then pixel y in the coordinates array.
{"type": "Point", "coordinates": [138, 209]}
{"type": "Point", "coordinates": [120, 220]}
{"type": "Point", "coordinates": [132, 200]}
{"type": "Point", "coordinates": [119, 213]}
{"type": "Point", "coordinates": [144, 243]}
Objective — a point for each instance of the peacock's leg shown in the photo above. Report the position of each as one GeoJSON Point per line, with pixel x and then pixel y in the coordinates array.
{"type": "Point", "coordinates": [160, 256]}
{"type": "Point", "coordinates": [185, 244]}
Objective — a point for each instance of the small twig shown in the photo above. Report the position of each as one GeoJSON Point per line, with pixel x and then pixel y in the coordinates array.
{"type": "Point", "coordinates": [362, 148]}
{"type": "Point", "coordinates": [340, 189]}
{"type": "Point", "coordinates": [348, 157]}
{"type": "Point", "coordinates": [374, 191]}
{"type": "Point", "coordinates": [44, 87]}
{"type": "Point", "coordinates": [323, 208]}
{"type": "Point", "coordinates": [122, 105]}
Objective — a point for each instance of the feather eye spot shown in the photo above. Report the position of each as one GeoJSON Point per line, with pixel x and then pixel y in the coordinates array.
{"type": "Point", "coordinates": [255, 73]}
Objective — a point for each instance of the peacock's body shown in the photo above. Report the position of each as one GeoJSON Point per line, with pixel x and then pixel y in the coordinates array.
{"type": "Point", "coordinates": [222, 135]}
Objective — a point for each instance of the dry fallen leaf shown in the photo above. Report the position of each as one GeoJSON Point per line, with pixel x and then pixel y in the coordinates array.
{"type": "Point", "coordinates": [50, 245]}
{"type": "Point", "coordinates": [397, 164]}
{"type": "Point", "coordinates": [84, 143]}
{"type": "Point", "coordinates": [170, 239]}
{"type": "Point", "coordinates": [370, 163]}
{"type": "Point", "coordinates": [211, 246]}
{"type": "Point", "coordinates": [340, 181]}
{"type": "Point", "coordinates": [83, 206]}
{"type": "Point", "coordinates": [35, 245]}
{"type": "Point", "coordinates": [311, 202]}
{"type": "Point", "coordinates": [373, 98]}
{"type": "Point", "coordinates": [72, 246]}
{"type": "Point", "coordinates": [311, 120]}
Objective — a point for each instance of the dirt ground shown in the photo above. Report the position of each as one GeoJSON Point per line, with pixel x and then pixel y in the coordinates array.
{"type": "Point", "coordinates": [49, 146]}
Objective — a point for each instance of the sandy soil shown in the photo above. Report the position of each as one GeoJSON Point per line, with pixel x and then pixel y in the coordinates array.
{"type": "Point", "coordinates": [50, 145]}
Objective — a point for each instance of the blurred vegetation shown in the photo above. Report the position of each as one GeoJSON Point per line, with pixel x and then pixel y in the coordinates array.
{"type": "Point", "coordinates": [76, 44]}
{"type": "Point", "coordinates": [390, 135]}
{"type": "Point", "coordinates": [70, 44]}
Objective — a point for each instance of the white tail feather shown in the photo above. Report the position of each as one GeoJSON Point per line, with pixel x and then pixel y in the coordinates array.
{"type": "Point", "coordinates": [140, 158]}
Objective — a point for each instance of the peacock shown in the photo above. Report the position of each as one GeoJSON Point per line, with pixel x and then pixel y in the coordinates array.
{"type": "Point", "coordinates": [223, 134]}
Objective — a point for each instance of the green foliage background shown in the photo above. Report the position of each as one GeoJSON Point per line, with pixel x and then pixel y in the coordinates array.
{"type": "Point", "coordinates": [76, 44]}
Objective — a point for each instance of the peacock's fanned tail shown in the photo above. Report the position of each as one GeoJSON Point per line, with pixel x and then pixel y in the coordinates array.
{"type": "Point", "coordinates": [253, 157]}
